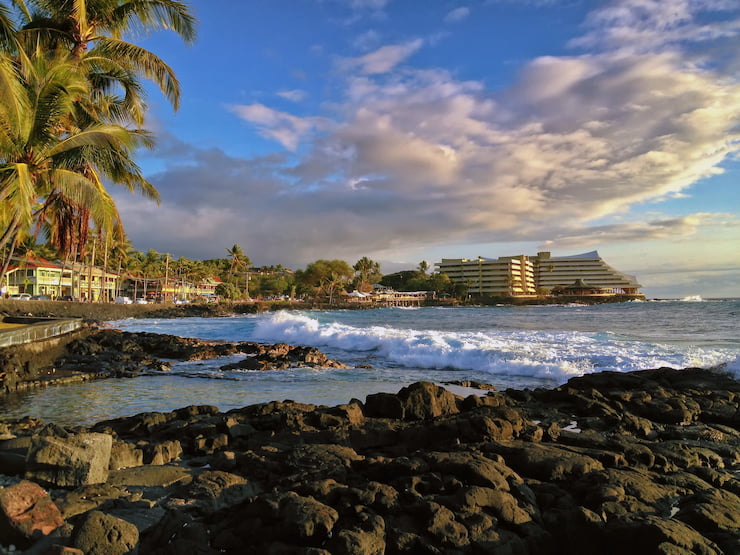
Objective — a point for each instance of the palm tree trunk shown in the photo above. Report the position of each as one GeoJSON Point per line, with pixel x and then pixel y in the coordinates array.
{"type": "Point", "coordinates": [6, 262]}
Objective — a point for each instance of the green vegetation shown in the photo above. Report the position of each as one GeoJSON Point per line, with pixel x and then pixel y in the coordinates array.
{"type": "Point", "coordinates": [72, 109]}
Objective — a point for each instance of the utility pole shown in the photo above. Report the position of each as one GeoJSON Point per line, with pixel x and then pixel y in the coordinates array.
{"type": "Point", "coordinates": [166, 276]}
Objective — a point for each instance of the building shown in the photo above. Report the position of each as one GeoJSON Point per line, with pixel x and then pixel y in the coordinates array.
{"type": "Point", "coordinates": [553, 272]}
{"type": "Point", "coordinates": [38, 276]}
{"type": "Point", "coordinates": [523, 276]}
{"type": "Point", "coordinates": [504, 276]}
{"type": "Point", "coordinates": [91, 283]}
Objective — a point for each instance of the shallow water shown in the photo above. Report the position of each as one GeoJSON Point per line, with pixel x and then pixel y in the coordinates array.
{"type": "Point", "coordinates": [534, 346]}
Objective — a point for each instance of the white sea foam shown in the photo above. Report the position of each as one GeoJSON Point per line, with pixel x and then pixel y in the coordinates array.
{"type": "Point", "coordinates": [540, 353]}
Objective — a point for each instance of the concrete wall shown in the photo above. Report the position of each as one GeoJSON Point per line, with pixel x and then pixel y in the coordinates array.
{"type": "Point", "coordinates": [36, 329]}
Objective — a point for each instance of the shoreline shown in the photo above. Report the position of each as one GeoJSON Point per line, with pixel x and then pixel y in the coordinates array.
{"type": "Point", "coordinates": [610, 463]}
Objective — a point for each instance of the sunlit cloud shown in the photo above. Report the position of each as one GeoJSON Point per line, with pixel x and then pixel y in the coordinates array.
{"type": "Point", "coordinates": [285, 128]}
{"type": "Point", "coordinates": [382, 60]}
{"type": "Point", "coordinates": [409, 157]}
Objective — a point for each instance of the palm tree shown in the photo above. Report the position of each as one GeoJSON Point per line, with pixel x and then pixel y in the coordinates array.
{"type": "Point", "coordinates": [368, 272]}
{"type": "Point", "coordinates": [51, 172]}
{"type": "Point", "coordinates": [91, 31]}
{"type": "Point", "coordinates": [239, 261]}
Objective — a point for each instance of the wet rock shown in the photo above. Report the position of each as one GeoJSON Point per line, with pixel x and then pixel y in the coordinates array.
{"type": "Point", "coordinates": [26, 513]}
{"type": "Point", "coordinates": [282, 356]}
{"type": "Point", "coordinates": [73, 461]}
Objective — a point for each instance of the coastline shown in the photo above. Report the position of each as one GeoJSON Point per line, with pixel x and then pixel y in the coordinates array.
{"type": "Point", "coordinates": [609, 463]}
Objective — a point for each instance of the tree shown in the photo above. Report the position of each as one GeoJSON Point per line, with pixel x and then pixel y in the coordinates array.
{"type": "Point", "coordinates": [71, 110]}
{"type": "Point", "coordinates": [325, 276]}
{"type": "Point", "coordinates": [423, 267]}
{"type": "Point", "coordinates": [239, 265]}
{"type": "Point", "coordinates": [91, 31]}
{"type": "Point", "coordinates": [50, 176]}
{"type": "Point", "coordinates": [367, 272]}
{"type": "Point", "coordinates": [228, 291]}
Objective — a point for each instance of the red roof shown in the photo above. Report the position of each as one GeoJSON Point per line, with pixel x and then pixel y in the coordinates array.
{"type": "Point", "coordinates": [37, 262]}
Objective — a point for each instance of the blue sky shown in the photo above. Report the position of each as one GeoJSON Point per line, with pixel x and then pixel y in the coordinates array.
{"type": "Point", "coordinates": [409, 130]}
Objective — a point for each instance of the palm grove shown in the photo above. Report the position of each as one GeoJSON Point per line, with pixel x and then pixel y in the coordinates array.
{"type": "Point", "coordinates": [72, 110]}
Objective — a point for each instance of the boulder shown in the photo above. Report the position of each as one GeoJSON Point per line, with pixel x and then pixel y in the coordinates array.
{"type": "Point", "coordinates": [103, 534]}
{"type": "Point", "coordinates": [77, 460]}
{"type": "Point", "coordinates": [214, 490]}
{"type": "Point", "coordinates": [425, 401]}
{"type": "Point", "coordinates": [125, 455]}
{"type": "Point", "coordinates": [26, 513]}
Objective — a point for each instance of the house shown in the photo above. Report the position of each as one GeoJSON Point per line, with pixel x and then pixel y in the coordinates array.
{"type": "Point", "coordinates": [38, 276]}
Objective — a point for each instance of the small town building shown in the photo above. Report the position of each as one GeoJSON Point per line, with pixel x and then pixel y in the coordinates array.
{"type": "Point", "coordinates": [38, 276]}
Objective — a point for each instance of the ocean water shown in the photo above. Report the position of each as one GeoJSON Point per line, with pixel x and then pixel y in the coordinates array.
{"type": "Point", "coordinates": [519, 347]}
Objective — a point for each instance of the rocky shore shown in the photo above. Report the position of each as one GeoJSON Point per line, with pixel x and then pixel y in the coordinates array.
{"type": "Point", "coordinates": [642, 462]}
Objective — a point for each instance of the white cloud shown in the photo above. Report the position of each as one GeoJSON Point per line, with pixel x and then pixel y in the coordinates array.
{"type": "Point", "coordinates": [295, 95]}
{"type": "Point", "coordinates": [384, 59]}
{"type": "Point", "coordinates": [419, 157]}
{"type": "Point", "coordinates": [645, 25]}
{"type": "Point", "coordinates": [284, 128]}
{"type": "Point", "coordinates": [458, 14]}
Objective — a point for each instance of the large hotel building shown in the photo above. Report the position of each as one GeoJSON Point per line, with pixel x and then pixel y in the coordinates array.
{"type": "Point", "coordinates": [522, 275]}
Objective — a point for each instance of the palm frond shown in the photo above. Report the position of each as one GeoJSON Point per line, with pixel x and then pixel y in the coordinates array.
{"type": "Point", "coordinates": [146, 15]}
{"type": "Point", "coordinates": [141, 60]}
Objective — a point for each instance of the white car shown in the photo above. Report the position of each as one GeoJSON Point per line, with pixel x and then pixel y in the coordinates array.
{"type": "Point", "coordinates": [141, 301]}
{"type": "Point", "coordinates": [21, 297]}
{"type": "Point", "coordinates": [123, 300]}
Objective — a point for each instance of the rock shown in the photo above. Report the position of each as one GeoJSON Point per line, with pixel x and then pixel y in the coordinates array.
{"type": "Point", "coordinates": [74, 461]}
{"type": "Point", "coordinates": [367, 537]}
{"type": "Point", "coordinates": [125, 455]}
{"type": "Point", "coordinates": [282, 357]}
{"type": "Point", "coordinates": [102, 534]}
{"type": "Point", "coordinates": [715, 513]}
{"type": "Point", "coordinates": [384, 405]}
{"type": "Point", "coordinates": [545, 462]}
{"type": "Point", "coordinates": [425, 401]}
{"type": "Point", "coordinates": [164, 452]}
{"type": "Point", "coordinates": [215, 490]}
{"type": "Point", "coordinates": [304, 518]}
{"type": "Point", "coordinates": [177, 533]}
{"type": "Point", "coordinates": [26, 513]}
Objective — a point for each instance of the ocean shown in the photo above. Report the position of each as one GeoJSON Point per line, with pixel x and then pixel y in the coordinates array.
{"type": "Point", "coordinates": [507, 346]}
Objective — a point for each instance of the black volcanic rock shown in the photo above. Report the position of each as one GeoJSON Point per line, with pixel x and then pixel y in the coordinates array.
{"type": "Point", "coordinates": [644, 462]}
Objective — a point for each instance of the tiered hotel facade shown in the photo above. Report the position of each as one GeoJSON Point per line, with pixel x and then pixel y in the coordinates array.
{"type": "Point", "coordinates": [525, 276]}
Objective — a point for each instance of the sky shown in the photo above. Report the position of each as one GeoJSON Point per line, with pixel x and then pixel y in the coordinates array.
{"type": "Point", "coordinates": [410, 130]}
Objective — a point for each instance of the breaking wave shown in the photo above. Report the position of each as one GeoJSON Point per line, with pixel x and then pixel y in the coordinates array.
{"type": "Point", "coordinates": [536, 353]}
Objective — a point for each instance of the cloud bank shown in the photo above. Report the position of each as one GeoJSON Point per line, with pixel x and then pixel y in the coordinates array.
{"type": "Point", "coordinates": [412, 157]}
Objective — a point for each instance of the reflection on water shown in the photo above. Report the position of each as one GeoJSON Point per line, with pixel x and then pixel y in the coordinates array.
{"type": "Point", "coordinates": [87, 403]}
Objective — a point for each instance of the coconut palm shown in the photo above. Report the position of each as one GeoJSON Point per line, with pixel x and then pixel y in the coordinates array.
{"type": "Point", "coordinates": [50, 170]}
{"type": "Point", "coordinates": [368, 272]}
{"type": "Point", "coordinates": [92, 31]}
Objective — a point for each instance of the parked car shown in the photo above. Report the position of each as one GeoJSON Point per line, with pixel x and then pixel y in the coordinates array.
{"type": "Point", "coordinates": [68, 298]}
{"type": "Point", "coordinates": [21, 297]}
{"type": "Point", "coordinates": [141, 301]}
{"type": "Point", "coordinates": [41, 298]}
{"type": "Point", "coordinates": [123, 300]}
